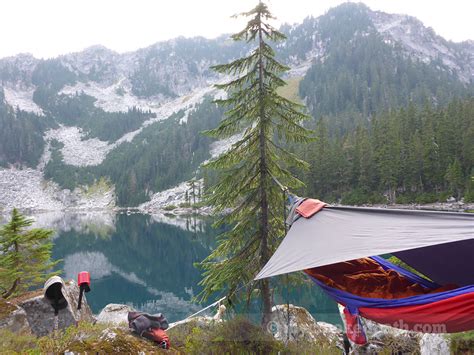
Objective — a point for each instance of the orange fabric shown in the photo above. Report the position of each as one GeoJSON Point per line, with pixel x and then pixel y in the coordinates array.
{"type": "Point", "coordinates": [310, 207]}
{"type": "Point", "coordinates": [366, 278]}
{"type": "Point", "coordinates": [158, 336]}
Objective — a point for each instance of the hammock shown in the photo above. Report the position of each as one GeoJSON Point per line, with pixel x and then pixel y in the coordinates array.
{"type": "Point", "coordinates": [431, 311]}
{"type": "Point", "coordinates": [437, 244]}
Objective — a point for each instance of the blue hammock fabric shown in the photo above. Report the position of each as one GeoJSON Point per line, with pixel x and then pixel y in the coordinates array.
{"type": "Point", "coordinates": [387, 265]}
{"type": "Point", "coordinates": [354, 302]}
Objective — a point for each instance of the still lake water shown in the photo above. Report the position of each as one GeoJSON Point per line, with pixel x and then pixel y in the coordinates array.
{"type": "Point", "coordinates": [148, 262]}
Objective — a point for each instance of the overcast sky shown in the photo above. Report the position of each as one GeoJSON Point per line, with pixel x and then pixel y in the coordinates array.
{"type": "Point", "coordinates": [47, 28]}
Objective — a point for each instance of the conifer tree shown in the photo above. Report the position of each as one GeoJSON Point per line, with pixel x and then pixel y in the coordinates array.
{"type": "Point", "coordinates": [25, 256]}
{"type": "Point", "coordinates": [248, 170]}
{"type": "Point", "coordinates": [455, 178]}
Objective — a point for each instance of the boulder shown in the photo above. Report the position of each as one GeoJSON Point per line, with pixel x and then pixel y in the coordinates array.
{"type": "Point", "coordinates": [40, 313]}
{"type": "Point", "coordinates": [114, 314]}
{"type": "Point", "coordinates": [302, 326]}
{"type": "Point", "coordinates": [13, 318]}
{"type": "Point", "coordinates": [434, 344]}
{"type": "Point", "coordinates": [396, 340]}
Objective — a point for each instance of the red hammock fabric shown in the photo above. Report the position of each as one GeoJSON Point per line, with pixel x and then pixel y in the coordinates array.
{"type": "Point", "coordinates": [451, 315]}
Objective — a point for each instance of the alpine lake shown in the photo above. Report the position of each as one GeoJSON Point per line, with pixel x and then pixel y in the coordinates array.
{"type": "Point", "coordinates": [149, 262]}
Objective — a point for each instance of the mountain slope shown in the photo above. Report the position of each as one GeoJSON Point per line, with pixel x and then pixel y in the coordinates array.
{"type": "Point", "coordinates": [135, 118]}
{"type": "Point", "coordinates": [373, 62]}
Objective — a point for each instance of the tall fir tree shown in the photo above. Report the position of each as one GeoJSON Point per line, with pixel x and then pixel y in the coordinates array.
{"type": "Point", "coordinates": [249, 169]}
{"type": "Point", "coordinates": [25, 257]}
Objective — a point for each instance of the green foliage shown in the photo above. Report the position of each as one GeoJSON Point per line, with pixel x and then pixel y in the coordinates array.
{"type": "Point", "coordinates": [362, 75]}
{"type": "Point", "coordinates": [53, 75]}
{"type": "Point", "coordinates": [246, 183]}
{"type": "Point", "coordinates": [21, 135]}
{"type": "Point", "coordinates": [360, 197]}
{"type": "Point", "coordinates": [170, 208]}
{"type": "Point", "coordinates": [405, 156]}
{"type": "Point", "coordinates": [454, 177]}
{"type": "Point", "coordinates": [25, 258]}
{"type": "Point", "coordinates": [89, 338]}
{"type": "Point", "coordinates": [462, 343]}
{"type": "Point", "coordinates": [240, 336]}
{"type": "Point", "coordinates": [235, 336]}
{"type": "Point", "coordinates": [469, 196]}
{"type": "Point", "coordinates": [79, 110]}
{"type": "Point", "coordinates": [232, 337]}
{"type": "Point", "coordinates": [67, 176]}
{"type": "Point", "coordinates": [14, 343]}
{"type": "Point", "coordinates": [158, 158]}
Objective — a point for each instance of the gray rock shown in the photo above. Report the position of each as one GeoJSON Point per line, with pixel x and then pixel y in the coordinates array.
{"type": "Point", "coordinates": [40, 313]}
{"type": "Point", "coordinates": [434, 344]}
{"type": "Point", "coordinates": [302, 326]}
{"type": "Point", "coordinates": [399, 340]}
{"type": "Point", "coordinates": [14, 318]}
{"type": "Point", "coordinates": [114, 313]}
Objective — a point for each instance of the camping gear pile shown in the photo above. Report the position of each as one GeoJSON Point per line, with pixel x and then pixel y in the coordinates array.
{"type": "Point", "coordinates": [150, 326]}
{"type": "Point", "coordinates": [339, 248]}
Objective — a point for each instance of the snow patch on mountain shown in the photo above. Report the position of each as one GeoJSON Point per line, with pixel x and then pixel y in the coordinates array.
{"type": "Point", "coordinates": [78, 151]}
{"type": "Point", "coordinates": [81, 151]}
{"type": "Point", "coordinates": [116, 97]}
{"type": "Point", "coordinates": [22, 97]}
{"type": "Point", "coordinates": [221, 146]}
{"type": "Point", "coordinates": [26, 189]}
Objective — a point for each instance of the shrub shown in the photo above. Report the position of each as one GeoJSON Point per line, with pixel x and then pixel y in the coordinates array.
{"type": "Point", "coordinates": [360, 197]}
{"type": "Point", "coordinates": [462, 343]}
{"type": "Point", "coordinates": [17, 343]}
{"type": "Point", "coordinates": [427, 197]}
{"type": "Point", "coordinates": [236, 336]}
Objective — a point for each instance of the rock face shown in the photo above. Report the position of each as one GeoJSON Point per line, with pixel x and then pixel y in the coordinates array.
{"type": "Point", "coordinates": [302, 326]}
{"type": "Point", "coordinates": [40, 313]}
{"type": "Point", "coordinates": [13, 318]}
{"type": "Point", "coordinates": [434, 344]}
{"type": "Point", "coordinates": [399, 340]}
{"type": "Point", "coordinates": [114, 314]}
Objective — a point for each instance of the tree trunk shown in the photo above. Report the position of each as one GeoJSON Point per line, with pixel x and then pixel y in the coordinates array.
{"type": "Point", "coordinates": [12, 289]}
{"type": "Point", "coordinates": [264, 252]}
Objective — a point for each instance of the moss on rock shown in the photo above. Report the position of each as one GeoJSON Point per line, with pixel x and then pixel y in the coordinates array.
{"type": "Point", "coordinates": [6, 308]}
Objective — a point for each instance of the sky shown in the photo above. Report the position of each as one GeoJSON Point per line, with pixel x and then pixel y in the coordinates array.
{"type": "Point", "coordinates": [47, 28]}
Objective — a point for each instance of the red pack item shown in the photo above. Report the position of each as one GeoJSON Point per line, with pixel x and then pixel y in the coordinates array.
{"type": "Point", "coordinates": [310, 207]}
{"type": "Point", "coordinates": [159, 336]}
{"type": "Point", "coordinates": [354, 328]}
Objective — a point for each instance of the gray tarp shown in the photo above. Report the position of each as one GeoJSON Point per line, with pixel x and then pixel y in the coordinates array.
{"type": "Point", "coordinates": [338, 234]}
